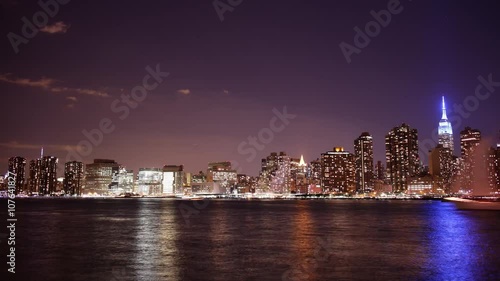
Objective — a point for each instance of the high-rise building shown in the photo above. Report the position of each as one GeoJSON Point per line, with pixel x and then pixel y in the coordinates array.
{"type": "Point", "coordinates": [149, 181]}
{"type": "Point", "coordinates": [497, 167]}
{"type": "Point", "coordinates": [43, 175]}
{"type": "Point", "coordinates": [337, 171]}
{"type": "Point", "coordinates": [101, 176]}
{"type": "Point", "coordinates": [380, 171]}
{"type": "Point", "coordinates": [276, 172]}
{"type": "Point", "coordinates": [17, 166]}
{"type": "Point", "coordinates": [363, 157]}
{"type": "Point", "coordinates": [445, 130]}
{"type": "Point", "coordinates": [469, 141]}
{"type": "Point", "coordinates": [222, 176]}
{"type": "Point", "coordinates": [403, 162]}
{"type": "Point", "coordinates": [173, 179]}
{"type": "Point", "coordinates": [73, 178]}
{"type": "Point", "coordinates": [441, 167]}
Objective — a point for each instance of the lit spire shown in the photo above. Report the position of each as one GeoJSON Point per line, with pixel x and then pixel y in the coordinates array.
{"type": "Point", "coordinates": [41, 153]}
{"type": "Point", "coordinates": [444, 111]}
{"type": "Point", "coordinates": [302, 162]}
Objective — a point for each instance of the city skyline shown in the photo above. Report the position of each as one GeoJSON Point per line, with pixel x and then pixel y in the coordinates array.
{"type": "Point", "coordinates": [227, 77]}
{"type": "Point", "coordinates": [423, 154]}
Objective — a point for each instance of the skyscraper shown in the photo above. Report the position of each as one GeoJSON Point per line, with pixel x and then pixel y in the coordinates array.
{"type": "Point", "coordinates": [363, 154]}
{"type": "Point", "coordinates": [17, 166]}
{"type": "Point", "coordinates": [73, 178]}
{"type": "Point", "coordinates": [401, 145]}
{"type": "Point", "coordinates": [441, 163]}
{"type": "Point", "coordinates": [469, 141]}
{"type": "Point", "coordinates": [337, 171]}
{"type": "Point", "coordinates": [380, 171]}
{"type": "Point", "coordinates": [497, 166]}
{"type": "Point", "coordinates": [276, 172]}
{"type": "Point", "coordinates": [43, 175]}
{"type": "Point", "coordinates": [445, 130]}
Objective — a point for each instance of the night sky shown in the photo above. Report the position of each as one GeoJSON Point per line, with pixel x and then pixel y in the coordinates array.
{"type": "Point", "coordinates": [227, 76]}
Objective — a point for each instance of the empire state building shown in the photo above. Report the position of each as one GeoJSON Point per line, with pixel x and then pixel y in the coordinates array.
{"type": "Point", "coordinates": [445, 131]}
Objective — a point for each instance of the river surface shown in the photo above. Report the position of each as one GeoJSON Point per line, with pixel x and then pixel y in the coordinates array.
{"type": "Point", "coordinates": [160, 239]}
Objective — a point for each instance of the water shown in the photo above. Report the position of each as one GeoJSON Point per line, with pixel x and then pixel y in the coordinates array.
{"type": "Point", "coordinates": [155, 239]}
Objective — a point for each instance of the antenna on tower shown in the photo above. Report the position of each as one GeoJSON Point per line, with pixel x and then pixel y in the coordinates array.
{"type": "Point", "coordinates": [444, 109]}
{"type": "Point", "coordinates": [41, 153]}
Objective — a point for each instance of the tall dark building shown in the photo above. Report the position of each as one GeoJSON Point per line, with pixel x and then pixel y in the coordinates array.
{"type": "Point", "coordinates": [17, 165]}
{"type": "Point", "coordinates": [337, 171]}
{"type": "Point", "coordinates": [441, 163]}
{"type": "Point", "coordinates": [403, 162]}
{"type": "Point", "coordinates": [469, 141]}
{"type": "Point", "coordinates": [73, 178]}
{"type": "Point", "coordinates": [363, 157]}
{"type": "Point", "coordinates": [380, 171]}
{"type": "Point", "coordinates": [43, 175]}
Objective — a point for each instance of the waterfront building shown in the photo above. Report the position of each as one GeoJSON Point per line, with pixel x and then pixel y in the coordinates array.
{"type": "Point", "coordinates": [101, 177]}
{"type": "Point", "coordinates": [363, 159]}
{"type": "Point", "coordinates": [469, 142]}
{"type": "Point", "coordinates": [149, 181]}
{"type": "Point", "coordinates": [17, 166]}
{"type": "Point", "coordinates": [441, 167]}
{"type": "Point", "coordinates": [403, 161]}
{"type": "Point", "coordinates": [223, 177]}
{"type": "Point", "coordinates": [73, 178]}
{"type": "Point", "coordinates": [276, 171]}
{"type": "Point", "coordinates": [173, 179]}
{"type": "Point", "coordinates": [423, 184]}
{"type": "Point", "coordinates": [337, 171]}
{"type": "Point", "coordinates": [43, 175]}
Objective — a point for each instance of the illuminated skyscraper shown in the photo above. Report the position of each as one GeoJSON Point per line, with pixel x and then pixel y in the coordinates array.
{"type": "Point", "coordinates": [43, 175]}
{"type": "Point", "coordinates": [17, 166]}
{"type": "Point", "coordinates": [401, 145]}
{"type": "Point", "coordinates": [276, 172]}
{"type": "Point", "coordinates": [363, 154]}
{"type": "Point", "coordinates": [469, 141]}
{"type": "Point", "coordinates": [73, 178]}
{"type": "Point", "coordinates": [497, 167]}
{"type": "Point", "coordinates": [445, 130]}
{"type": "Point", "coordinates": [337, 171]}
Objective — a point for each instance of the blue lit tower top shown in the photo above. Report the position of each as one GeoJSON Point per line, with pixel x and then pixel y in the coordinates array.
{"type": "Point", "coordinates": [445, 130]}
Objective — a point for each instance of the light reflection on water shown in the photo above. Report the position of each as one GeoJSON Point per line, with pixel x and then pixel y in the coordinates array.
{"type": "Point", "coordinates": [149, 239]}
